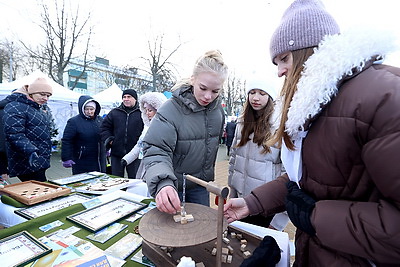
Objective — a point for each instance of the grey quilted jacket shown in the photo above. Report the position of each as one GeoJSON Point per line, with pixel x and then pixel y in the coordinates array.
{"type": "Point", "coordinates": [183, 137]}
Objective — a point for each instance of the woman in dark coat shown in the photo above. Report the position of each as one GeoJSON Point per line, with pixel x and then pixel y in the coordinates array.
{"type": "Point", "coordinates": [27, 131]}
{"type": "Point", "coordinates": [81, 145]}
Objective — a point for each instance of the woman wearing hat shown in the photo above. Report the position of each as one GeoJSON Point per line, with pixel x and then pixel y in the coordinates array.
{"type": "Point", "coordinates": [27, 131]}
{"type": "Point", "coordinates": [253, 163]}
{"type": "Point", "coordinates": [338, 122]}
{"type": "Point", "coordinates": [149, 103]}
{"type": "Point", "coordinates": [82, 148]}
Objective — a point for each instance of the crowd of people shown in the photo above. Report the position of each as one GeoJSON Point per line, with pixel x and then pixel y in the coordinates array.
{"type": "Point", "coordinates": [321, 153]}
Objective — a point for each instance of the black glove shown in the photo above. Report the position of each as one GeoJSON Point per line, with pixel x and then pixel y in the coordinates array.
{"type": "Point", "coordinates": [33, 160]}
{"type": "Point", "coordinates": [123, 163]}
{"type": "Point", "coordinates": [299, 207]}
{"type": "Point", "coordinates": [266, 254]}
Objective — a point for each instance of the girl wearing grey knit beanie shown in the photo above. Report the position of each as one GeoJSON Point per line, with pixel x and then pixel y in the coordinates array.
{"type": "Point", "coordinates": [337, 121]}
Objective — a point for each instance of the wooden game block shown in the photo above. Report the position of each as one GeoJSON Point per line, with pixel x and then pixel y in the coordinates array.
{"type": "Point", "coordinates": [214, 251]}
{"type": "Point", "coordinates": [223, 258]}
{"type": "Point", "coordinates": [231, 250]}
{"type": "Point", "coordinates": [183, 219]}
{"type": "Point", "coordinates": [243, 242]}
{"type": "Point", "coordinates": [243, 247]}
{"type": "Point", "coordinates": [233, 235]}
{"type": "Point", "coordinates": [246, 254]}
{"type": "Point", "coordinates": [226, 240]}
{"type": "Point", "coordinates": [229, 259]}
{"type": "Point", "coordinates": [32, 192]}
{"type": "Point", "coordinates": [225, 251]}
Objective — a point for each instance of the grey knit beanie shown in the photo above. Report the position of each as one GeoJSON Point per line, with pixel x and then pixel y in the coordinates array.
{"type": "Point", "coordinates": [303, 25]}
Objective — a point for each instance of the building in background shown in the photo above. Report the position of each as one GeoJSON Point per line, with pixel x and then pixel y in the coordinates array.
{"type": "Point", "coordinates": [100, 75]}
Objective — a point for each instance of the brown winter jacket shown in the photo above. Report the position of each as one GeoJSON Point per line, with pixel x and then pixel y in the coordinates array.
{"type": "Point", "coordinates": [350, 166]}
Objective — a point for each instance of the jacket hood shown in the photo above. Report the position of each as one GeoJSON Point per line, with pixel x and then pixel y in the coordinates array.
{"type": "Point", "coordinates": [82, 102]}
{"type": "Point", "coordinates": [22, 98]}
{"type": "Point", "coordinates": [154, 99]}
{"type": "Point", "coordinates": [338, 57]}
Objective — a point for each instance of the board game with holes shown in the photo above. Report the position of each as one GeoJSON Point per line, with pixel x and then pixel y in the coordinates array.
{"type": "Point", "coordinates": [32, 192]}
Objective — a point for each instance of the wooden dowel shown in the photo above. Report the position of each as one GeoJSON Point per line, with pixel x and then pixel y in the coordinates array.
{"type": "Point", "coordinates": [210, 186]}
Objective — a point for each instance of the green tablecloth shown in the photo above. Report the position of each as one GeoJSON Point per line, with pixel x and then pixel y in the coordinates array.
{"type": "Point", "coordinates": [32, 226]}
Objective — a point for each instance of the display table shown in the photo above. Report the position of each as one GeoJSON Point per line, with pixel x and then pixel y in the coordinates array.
{"type": "Point", "coordinates": [8, 218]}
{"type": "Point", "coordinates": [32, 226]}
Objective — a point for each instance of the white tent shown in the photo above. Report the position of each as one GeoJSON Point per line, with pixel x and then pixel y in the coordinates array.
{"type": "Point", "coordinates": [63, 103]}
{"type": "Point", "coordinates": [110, 97]}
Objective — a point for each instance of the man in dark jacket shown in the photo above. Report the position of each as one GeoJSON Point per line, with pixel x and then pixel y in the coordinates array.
{"type": "Point", "coordinates": [121, 130]}
{"type": "Point", "coordinates": [82, 148]}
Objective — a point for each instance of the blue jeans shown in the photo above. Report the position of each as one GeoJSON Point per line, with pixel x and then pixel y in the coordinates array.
{"type": "Point", "coordinates": [198, 195]}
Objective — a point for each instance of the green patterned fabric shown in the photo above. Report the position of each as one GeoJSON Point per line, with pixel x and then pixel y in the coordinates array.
{"type": "Point", "coordinates": [32, 226]}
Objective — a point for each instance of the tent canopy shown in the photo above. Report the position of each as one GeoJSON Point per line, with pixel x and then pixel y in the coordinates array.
{"type": "Point", "coordinates": [110, 97]}
{"type": "Point", "coordinates": [60, 93]}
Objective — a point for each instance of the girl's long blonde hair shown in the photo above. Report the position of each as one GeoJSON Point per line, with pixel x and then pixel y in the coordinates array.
{"type": "Point", "coordinates": [288, 90]}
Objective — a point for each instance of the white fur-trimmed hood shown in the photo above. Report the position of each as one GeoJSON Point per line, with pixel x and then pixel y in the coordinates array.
{"type": "Point", "coordinates": [336, 57]}
{"type": "Point", "coordinates": [155, 99]}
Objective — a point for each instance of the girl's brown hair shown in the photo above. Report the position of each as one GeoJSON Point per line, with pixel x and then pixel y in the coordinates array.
{"type": "Point", "coordinates": [257, 123]}
{"type": "Point", "coordinates": [289, 88]}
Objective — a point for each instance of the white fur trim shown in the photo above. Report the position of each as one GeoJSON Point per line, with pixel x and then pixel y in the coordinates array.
{"type": "Point", "coordinates": [335, 58]}
{"type": "Point", "coordinates": [155, 99]}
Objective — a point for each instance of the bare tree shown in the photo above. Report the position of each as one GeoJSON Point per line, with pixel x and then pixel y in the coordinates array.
{"type": "Point", "coordinates": [64, 31]}
{"type": "Point", "coordinates": [159, 65]}
{"type": "Point", "coordinates": [11, 60]}
{"type": "Point", "coordinates": [234, 94]}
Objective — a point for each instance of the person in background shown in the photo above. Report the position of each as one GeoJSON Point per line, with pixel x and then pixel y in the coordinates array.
{"type": "Point", "coordinates": [149, 103]}
{"type": "Point", "coordinates": [338, 121]}
{"type": "Point", "coordinates": [27, 131]}
{"type": "Point", "coordinates": [120, 131]}
{"type": "Point", "coordinates": [82, 148]}
{"type": "Point", "coordinates": [253, 163]}
{"type": "Point", "coordinates": [230, 133]}
{"type": "Point", "coordinates": [184, 136]}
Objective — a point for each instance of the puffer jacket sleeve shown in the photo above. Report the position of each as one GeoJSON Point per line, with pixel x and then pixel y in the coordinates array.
{"type": "Point", "coordinates": [232, 159]}
{"type": "Point", "coordinates": [15, 130]}
{"type": "Point", "coordinates": [106, 128]}
{"type": "Point", "coordinates": [269, 198]}
{"type": "Point", "coordinates": [134, 153]}
{"type": "Point", "coordinates": [67, 141]}
{"type": "Point", "coordinates": [158, 147]}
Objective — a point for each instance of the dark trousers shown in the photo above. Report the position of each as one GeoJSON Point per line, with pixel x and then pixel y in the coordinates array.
{"type": "Point", "coordinates": [39, 175]}
{"type": "Point", "coordinates": [258, 220]}
{"type": "Point", "coordinates": [198, 194]}
{"type": "Point", "coordinates": [118, 170]}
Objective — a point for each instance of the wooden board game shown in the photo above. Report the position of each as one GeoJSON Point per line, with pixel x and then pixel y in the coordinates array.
{"type": "Point", "coordinates": [160, 228]}
{"type": "Point", "coordinates": [32, 192]}
{"type": "Point", "coordinates": [169, 257]}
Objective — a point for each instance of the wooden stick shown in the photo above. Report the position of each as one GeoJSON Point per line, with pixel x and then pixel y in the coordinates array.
{"type": "Point", "coordinates": [222, 194]}
{"type": "Point", "coordinates": [210, 186]}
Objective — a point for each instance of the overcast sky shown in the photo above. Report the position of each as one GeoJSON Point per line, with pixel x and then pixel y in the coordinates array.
{"type": "Point", "coordinates": [239, 29]}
